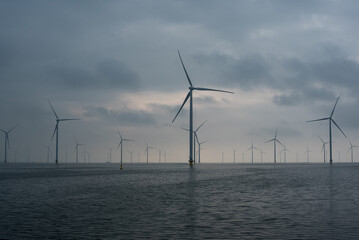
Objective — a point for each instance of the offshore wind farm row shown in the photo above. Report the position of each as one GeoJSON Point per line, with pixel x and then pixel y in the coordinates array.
{"type": "Point", "coordinates": [194, 143]}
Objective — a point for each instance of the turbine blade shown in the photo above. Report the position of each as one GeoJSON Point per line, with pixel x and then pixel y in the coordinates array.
{"type": "Point", "coordinates": [185, 129]}
{"type": "Point", "coordinates": [339, 128]}
{"type": "Point", "coordinates": [321, 140]}
{"type": "Point", "coordinates": [184, 68]}
{"type": "Point", "coordinates": [331, 115]}
{"type": "Point", "coordinates": [3, 131]}
{"type": "Point", "coordinates": [53, 110]}
{"type": "Point", "coordinates": [279, 142]}
{"type": "Point", "coordinates": [204, 141]}
{"type": "Point", "coordinates": [12, 129]}
{"type": "Point", "coordinates": [68, 119]}
{"type": "Point", "coordinates": [270, 140]}
{"type": "Point", "coordinates": [316, 120]}
{"type": "Point", "coordinates": [54, 131]}
{"type": "Point", "coordinates": [200, 126]}
{"type": "Point", "coordinates": [211, 89]}
{"type": "Point", "coordinates": [118, 145]}
{"type": "Point", "coordinates": [184, 102]}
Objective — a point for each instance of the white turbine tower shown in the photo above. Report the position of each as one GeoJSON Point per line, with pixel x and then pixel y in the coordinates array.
{"type": "Point", "coordinates": [275, 140]}
{"type": "Point", "coordinates": [199, 149]}
{"type": "Point", "coordinates": [121, 144]}
{"type": "Point", "coordinates": [7, 142]}
{"type": "Point", "coordinates": [189, 95]}
{"type": "Point", "coordinates": [351, 150]}
{"type": "Point", "coordinates": [331, 120]}
{"type": "Point", "coordinates": [56, 130]}
{"type": "Point", "coordinates": [323, 147]}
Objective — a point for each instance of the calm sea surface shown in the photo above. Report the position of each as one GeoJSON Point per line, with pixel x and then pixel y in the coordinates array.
{"type": "Point", "coordinates": [174, 201]}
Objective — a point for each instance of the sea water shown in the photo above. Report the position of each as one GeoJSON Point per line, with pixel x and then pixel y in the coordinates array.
{"type": "Point", "coordinates": [176, 201]}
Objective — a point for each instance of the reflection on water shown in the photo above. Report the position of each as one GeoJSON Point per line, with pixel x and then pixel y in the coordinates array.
{"type": "Point", "coordinates": [98, 201]}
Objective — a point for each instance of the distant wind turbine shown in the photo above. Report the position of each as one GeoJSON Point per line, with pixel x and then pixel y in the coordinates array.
{"type": "Point", "coordinates": [351, 150]}
{"type": "Point", "coordinates": [189, 95]}
{"type": "Point", "coordinates": [196, 137]}
{"type": "Point", "coordinates": [199, 148]}
{"type": "Point", "coordinates": [146, 151]}
{"type": "Point", "coordinates": [7, 142]}
{"type": "Point", "coordinates": [48, 153]}
{"type": "Point", "coordinates": [307, 151]}
{"type": "Point", "coordinates": [285, 150]}
{"type": "Point", "coordinates": [121, 144]}
{"type": "Point", "coordinates": [323, 147]}
{"type": "Point", "coordinates": [331, 120]}
{"type": "Point", "coordinates": [77, 150]}
{"type": "Point", "coordinates": [275, 140]}
{"type": "Point", "coordinates": [56, 130]}
{"type": "Point", "coordinates": [252, 148]}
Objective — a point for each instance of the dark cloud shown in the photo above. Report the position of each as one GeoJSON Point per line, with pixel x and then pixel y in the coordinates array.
{"type": "Point", "coordinates": [126, 117]}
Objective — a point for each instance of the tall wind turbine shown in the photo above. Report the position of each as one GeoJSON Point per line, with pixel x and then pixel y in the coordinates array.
{"type": "Point", "coordinates": [146, 151]}
{"type": "Point", "coordinates": [252, 148]}
{"type": "Point", "coordinates": [331, 120]}
{"type": "Point", "coordinates": [351, 150]}
{"type": "Point", "coordinates": [323, 147]}
{"type": "Point", "coordinates": [121, 144]}
{"type": "Point", "coordinates": [77, 150]}
{"type": "Point", "coordinates": [7, 142]}
{"type": "Point", "coordinates": [189, 95]}
{"type": "Point", "coordinates": [56, 130]}
{"type": "Point", "coordinates": [275, 140]}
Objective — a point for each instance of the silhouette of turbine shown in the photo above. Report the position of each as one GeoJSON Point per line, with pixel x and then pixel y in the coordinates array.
{"type": "Point", "coordinates": [121, 144]}
{"type": "Point", "coordinates": [275, 140]}
{"type": "Point", "coordinates": [189, 95]}
{"type": "Point", "coordinates": [7, 142]}
{"type": "Point", "coordinates": [56, 130]}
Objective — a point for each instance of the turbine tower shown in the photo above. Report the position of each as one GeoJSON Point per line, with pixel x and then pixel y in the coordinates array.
{"type": "Point", "coordinates": [7, 142]}
{"type": "Point", "coordinates": [351, 150]}
{"type": "Point", "coordinates": [331, 120]}
{"type": "Point", "coordinates": [252, 148]}
{"type": "Point", "coordinates": [285, 150]}
{"type": "Point", "coordinates": [189, 95]}
{"type": "Point", "coordinates": [275, 140]}
{"type": "Point", "coordinates": [77, 150]}
{"type": "Point", "coordinates": [56, 130]}
{"type": "Point", "coordinates": [121, 144]}
{"type": "Point", "coordinates": [323, 147]}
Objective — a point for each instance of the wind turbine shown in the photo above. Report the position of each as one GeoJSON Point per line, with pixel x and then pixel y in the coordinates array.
{"type": "Point", "coordinates": [331, 120]}
{"type": "Point", "coordinates": [199, 149]}
{"type": "Point", "coordinates": [194, 142]}
{"type": "Point", "coordinates": [252, 148]}
{"type": "Point", "coordinates": [77, 150]}
{"type": "Point", "coordinates": [189, 95]}
{"type": "Point", "coordinates": [56, 130]}
{"type": "Point", "coordinates": [146, 151]}
{"type": "Point", "coordinates": [323, 147]}
{"type": "Point", "coordinates": [307, 151]}
{"type": "Point", "coordinates": [275, 140]}
{"type": "Point", "coordinates": [7, 142]}
{"type": "Point", "coordinates": [351, 149]}
{"type": "Point", "coordinates": [285, 150]}
{"type": "Point", "coordinates": [48, 153]}
{"type": "Point", "coordinates": [121, 144]}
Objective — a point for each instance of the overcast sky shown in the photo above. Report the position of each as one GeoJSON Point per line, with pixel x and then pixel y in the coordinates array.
{"type": "Point", "coordinates": [114, 64]}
